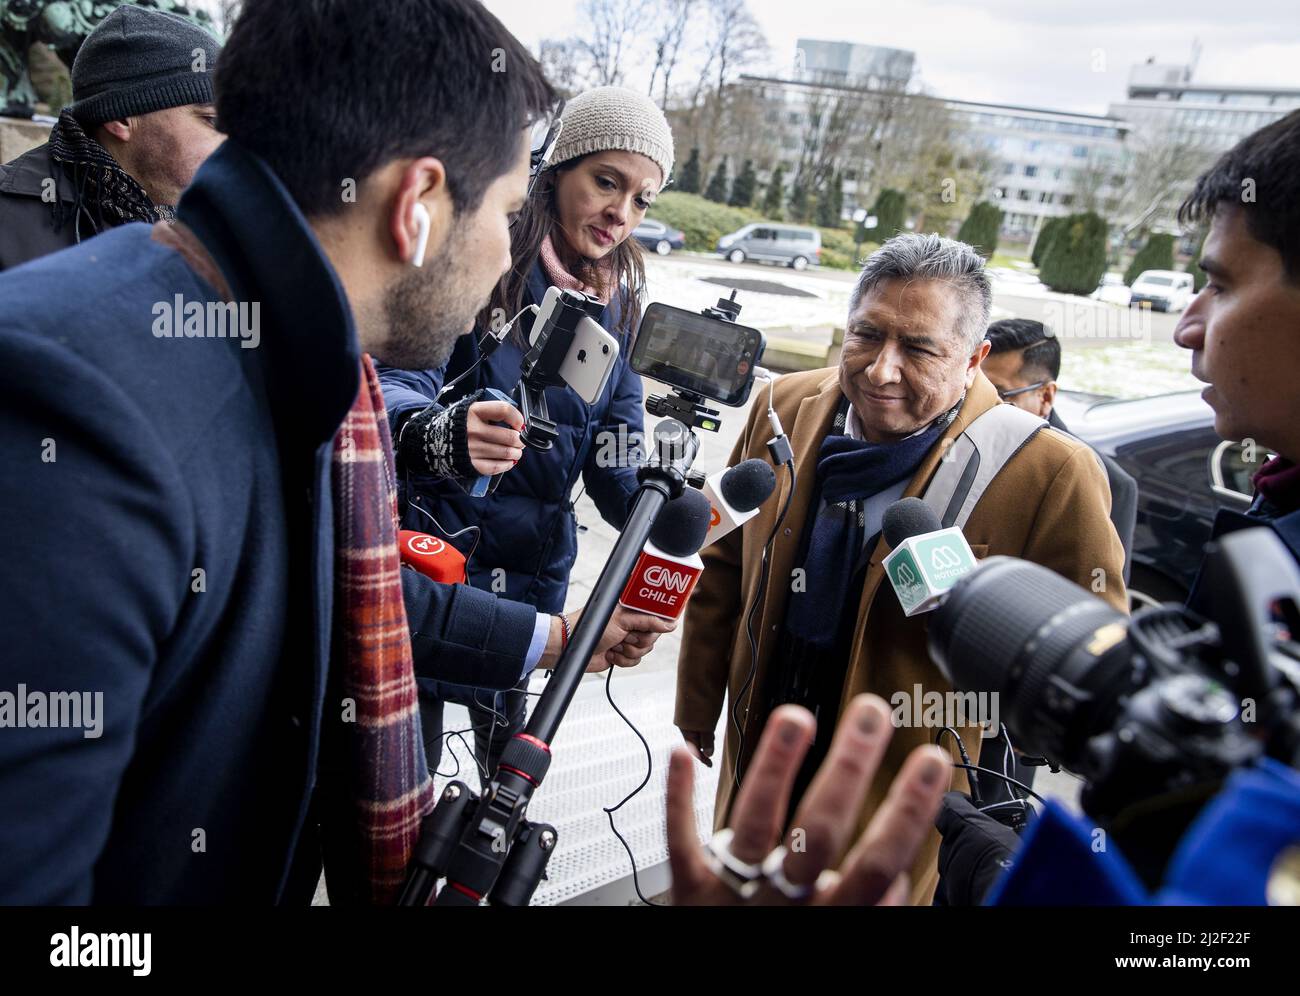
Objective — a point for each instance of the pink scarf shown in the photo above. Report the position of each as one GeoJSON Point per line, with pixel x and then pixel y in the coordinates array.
{"type": "Point", "coordinates": [563, 279]}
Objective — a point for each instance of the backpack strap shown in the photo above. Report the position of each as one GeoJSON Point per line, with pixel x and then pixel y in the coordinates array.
{"type": "Point", "coordinates": [974, 458]}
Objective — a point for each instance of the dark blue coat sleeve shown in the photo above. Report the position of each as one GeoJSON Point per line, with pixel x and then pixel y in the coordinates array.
{"type": "Point", "coordinates": [609, 473]}
{"type": "Point", "coordinates": [98, 548]}
{"type": "Point", "coordinates": [407, 391]}
{"type": "Point", "coordinates": [466, 636]}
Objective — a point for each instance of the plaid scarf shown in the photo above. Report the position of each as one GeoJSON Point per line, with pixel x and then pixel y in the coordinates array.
{"type": "Point", "coordinates": [383, 781]}
{"type": "Point", "coordinates": [106, 194]}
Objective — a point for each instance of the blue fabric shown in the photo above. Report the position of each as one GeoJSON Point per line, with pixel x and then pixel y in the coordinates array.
{"type": "Point", "coordinates": [1223, 859]}
{"type": "Point", "coordinates": [847, 470]}
{"type": "Point", "coordinates": [1065, 861]}
{"type": "Point", "coordinates": [529, 533]}
{"type": "Point", "coordinates": [1227, 520]}
{"type": "Point", "coordinates": [1225, 856]}
{"type": "Point", "coordinates": [173, 456]}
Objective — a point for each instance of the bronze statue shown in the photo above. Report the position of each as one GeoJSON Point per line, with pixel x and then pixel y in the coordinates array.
{"type": "Point", "coordinates": [63, 25]}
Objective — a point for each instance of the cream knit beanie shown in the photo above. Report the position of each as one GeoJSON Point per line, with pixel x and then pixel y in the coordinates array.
{"type": "Point", "coordinates": [614, 117]}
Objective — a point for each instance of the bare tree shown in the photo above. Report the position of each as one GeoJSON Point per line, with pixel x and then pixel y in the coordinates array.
{"type": "Point", "coordinates": [615, 29]}
{"type": "Point", "coordinates": [740, 42]}
{"type": "Point", "coordinates": [1093, 183]}
{"type": "Point", "coordinates": [223, 13]}
{"type": "Point", "coordinates": [671, 16]}
{"type": "Point", "coordinates": [922, 154]}
{"type": "Point", "coordinates": [563, 62]}
{"type": "Point", "coordinates": [1160, 165]}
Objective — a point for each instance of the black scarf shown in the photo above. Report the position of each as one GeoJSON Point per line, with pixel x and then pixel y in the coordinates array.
{"type": "Point", "coordinates": [848, 470]}
{"type": "Point", "coordinates": [107, 195]}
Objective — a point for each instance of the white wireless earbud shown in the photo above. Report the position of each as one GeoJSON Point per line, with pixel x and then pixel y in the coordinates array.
{"type": "Point", "coordinates": [422, 238]}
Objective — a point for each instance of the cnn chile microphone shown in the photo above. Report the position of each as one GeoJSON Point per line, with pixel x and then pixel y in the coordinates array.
{"type": "Point", "coordinates": [735, 495]}
{"type": "Point", "coordinates": [926, 560]}
{"type": "Point", "coordinates": [670, 564]}
{"type": "Point", "coordinates": [433, 557]}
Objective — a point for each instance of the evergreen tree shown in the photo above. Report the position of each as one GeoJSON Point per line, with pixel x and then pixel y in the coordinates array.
{"type": "Point", "coordinates": [798, 203]}
{"type": "Point", "coordinates": [1157, 254]}
{"type": "Point", "coordinates": [742, 190]}
{"type": "Point", "coordinates": [775, 195]}
{"type": "Point", "coordinates": [1076, 258]}
{"type": "Point", "coordinates": [688, 180]}
{"type": "Point", "coordinates": [1045, 235]}
{"type": "Point", "coordinates": [718, 185]}
{"type": "Point", "coordinates": [890, 211]}
{"type": "Point", "coordinates": [981, 228]}
{"type": "Point", "coordinates": [830, 203]}
{"type": "Point", "coordinates": [1198, 275]}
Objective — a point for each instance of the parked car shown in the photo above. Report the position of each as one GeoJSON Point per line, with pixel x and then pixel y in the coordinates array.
{"type": "Point", "coordinates": [792, 245]}
{"type": "Point", "coordinates": [1164, 290]}
{"type": "Point", "coordinates": [1112, 290]}
{"type": "Point", "coordinates": [655, 235]}
{"type": "Point", "coordinates": [1185, 473]}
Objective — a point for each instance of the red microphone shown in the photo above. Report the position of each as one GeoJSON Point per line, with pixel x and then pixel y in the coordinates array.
{"type": "Point", "coordinates": [433, 557]}
{"type": "Point", "coordinates": [669, 565]}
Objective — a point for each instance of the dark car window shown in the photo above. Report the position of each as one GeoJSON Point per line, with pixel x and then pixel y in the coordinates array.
{"type": "Point", "coordinates": [1235, 470]}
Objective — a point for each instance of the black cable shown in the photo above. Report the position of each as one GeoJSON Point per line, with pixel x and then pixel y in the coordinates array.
{"type": "Point", "coordinates": [482, 355]}
{"type": "Point", "coordinates": [961, 749]}
{"type": "Point", "coordinates": [764, 567]}
{"type": "Point", "coordinates": [1005, 778]}
{"type": "Point", "coordinates": [460, 735]}
{"type": "Point", "coordinates": [413, 500]}
{"type": "Point", "coordinates": [610, 810]}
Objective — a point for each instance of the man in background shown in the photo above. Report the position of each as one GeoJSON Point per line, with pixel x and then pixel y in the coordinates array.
{"type": "Point", "coordinates": [140, 125]}
{"type": "Point", "coordinates": [1023, 363]}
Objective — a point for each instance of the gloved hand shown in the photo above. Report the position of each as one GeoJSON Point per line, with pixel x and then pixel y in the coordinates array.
{"type": "Point", "coordinates": [976, 849]}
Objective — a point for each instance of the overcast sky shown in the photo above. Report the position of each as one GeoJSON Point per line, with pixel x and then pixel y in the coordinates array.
{"type": "Point", "coordinates": [1035, 52]}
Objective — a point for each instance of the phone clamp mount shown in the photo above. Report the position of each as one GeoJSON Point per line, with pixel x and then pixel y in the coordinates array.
{"type": "Point", "coordinates": [540, 368]}
{"type": "Point", "coordinates": [688, 407]}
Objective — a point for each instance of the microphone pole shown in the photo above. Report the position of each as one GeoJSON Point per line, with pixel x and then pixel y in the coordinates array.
{"type": "Point", "coordinates": [485, 847]}
{"type": "Point", "coordinates": [661, 479]}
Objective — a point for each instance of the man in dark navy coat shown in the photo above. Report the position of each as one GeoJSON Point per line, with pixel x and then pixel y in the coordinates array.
{"type": "Point", "coordinates": [168, 599]}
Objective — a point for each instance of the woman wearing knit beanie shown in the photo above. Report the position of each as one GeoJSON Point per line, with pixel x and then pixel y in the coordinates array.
{"type": "Point", "coordinates": [613, 156]}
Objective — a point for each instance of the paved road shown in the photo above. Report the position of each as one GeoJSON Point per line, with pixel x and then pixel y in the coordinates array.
{"type": "Point", "coordinates": [1079, 321]}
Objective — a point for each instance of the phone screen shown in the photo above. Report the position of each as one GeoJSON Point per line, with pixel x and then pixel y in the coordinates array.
{"type": "Point", "coordinates": [694, 352]}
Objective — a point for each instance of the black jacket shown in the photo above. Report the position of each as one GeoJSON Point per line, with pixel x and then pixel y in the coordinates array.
{"type": "Point", "coordinates": [133, 460]}
{"type": "Point", "coordinates": [1123, 497]}
{"type": "Point", "coordinates": [27, 217]}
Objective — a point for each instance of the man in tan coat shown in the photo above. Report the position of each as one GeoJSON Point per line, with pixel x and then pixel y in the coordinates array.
{"type": "Point", "coordinates": [875, 429]}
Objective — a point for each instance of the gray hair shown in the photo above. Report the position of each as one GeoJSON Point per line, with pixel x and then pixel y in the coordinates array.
{"type": "Point", "coordinates": [909, 256]}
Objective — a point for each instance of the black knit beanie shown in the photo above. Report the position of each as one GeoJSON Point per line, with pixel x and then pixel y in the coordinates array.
{"type": "Point", "coordinates": [138, 61]}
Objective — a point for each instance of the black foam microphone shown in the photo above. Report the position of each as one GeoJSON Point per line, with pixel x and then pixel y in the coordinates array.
{"type": "Point", "coordinates": [735, 494]}
{"type": "Point", "coordinates": [748, 484]}
{"type": "Point", "coordinates": [906, 518]}
{"type": "Point", "coordinates": [670, 563]}
{"type": "Point", "coordinates": [682, 524]}
{"type": "Point", "coordinates": [925, 560]}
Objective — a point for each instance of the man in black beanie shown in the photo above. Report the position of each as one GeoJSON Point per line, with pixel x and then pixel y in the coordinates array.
{"type": "Point", "coordinates": [140, 125]}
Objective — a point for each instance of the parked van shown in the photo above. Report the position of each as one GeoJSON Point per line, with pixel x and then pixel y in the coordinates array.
{"type": "Point", "coordinates": [793, 245]}
{"type": "Point", "coordinates": [1164, 290]}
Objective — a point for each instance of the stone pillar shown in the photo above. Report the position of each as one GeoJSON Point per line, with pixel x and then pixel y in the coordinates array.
{"type": "Point", "coordinates": [18, 136]}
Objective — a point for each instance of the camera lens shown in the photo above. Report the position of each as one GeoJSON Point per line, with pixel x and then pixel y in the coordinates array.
{"type": "Point", "coordinates": [1056, 655]}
